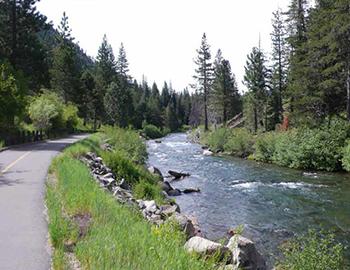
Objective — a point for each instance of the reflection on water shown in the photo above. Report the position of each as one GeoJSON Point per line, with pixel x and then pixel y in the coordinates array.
{"type": "Point", "coordinates": [272, 203]}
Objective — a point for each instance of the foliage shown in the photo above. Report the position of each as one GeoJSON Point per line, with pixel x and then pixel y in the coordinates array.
{"type": "Point", "coordinates": [11, 97]}
{"type": "Point", "coordinates": [224, 96]}
{"type": "Point", "coordinates": [240, 143]}
{"type": "Point", "coordinates": [217, 139]}
{"type": "Point", "coordinates": [116, 103]}
{"type": "Point", "coordinates": [313, 251]}
{"type": "Point", "coordinates": [128, 142]}
{"type": "Point", "coordinates": [265, 146]}
{"type": "Point", "coordinates": [346, 156]}
{"type": "Point", "coordinates": [48, 110]}
{"type": "Point", "coordinates": [148, 191]}
{"type": "Point", "coordinates": [204, 75]}
{"type": "Point", "coordinates": [118, 237]}
{"type": "Point", "coordinates": [42, 109]}
{"type": "Point", "coordinates": [152, 131]}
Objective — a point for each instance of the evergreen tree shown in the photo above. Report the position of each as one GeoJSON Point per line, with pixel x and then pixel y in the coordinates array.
{"type": "Point", "coordinates": [116, 102]}
{"type": "Point", "coordinates": [255, 80]}
{"type": "Point", "coordinates": [224, 96]}
{"type": "Point", "coordinates": [65, 73]}
{"type": "Point", "coordinates": [19, 43]}
{"type": "Point", "coordinates": [105, 72]}
{"type": "Point", "coordinates": [170, 120]}
{"type": "Point", "coordinates": [279, 64]}
{"type": "Point", "coordinates": [204, 75]}
{"type": "Point", "coordinates": [297, 82]}
{"type": "Point", "coordinates": [89, 105]}
{"type": "Point", "coordinates": [122, 64]}
{"type": "Point", "coordinates": [165, 96]}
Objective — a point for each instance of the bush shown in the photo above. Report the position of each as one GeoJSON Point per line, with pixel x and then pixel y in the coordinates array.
{"type": "Point", "coordinates": [265, 147]}
{"type": "Point", "coordinates": [313, 149]}
{"type": "Point", "coordinates": [346, 156]}
{"type": "Point", "coordinates": [312, 252]}
{"type": "Point", "coordinates": [217, 139]}
{"type": "Point", "coordinates": [2, 144]}
{"type": "Point", "coordinates": [148, 191]}
{"type": "Point", "coordinates": [239, 143]}
{"type": "Point", "coordinates": [152, 131]}
{"type": "Point", "coordinates": [128, 142]}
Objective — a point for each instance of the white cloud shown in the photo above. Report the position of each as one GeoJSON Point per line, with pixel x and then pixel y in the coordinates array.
{"type": "Point", "coordinates": [161, 36]}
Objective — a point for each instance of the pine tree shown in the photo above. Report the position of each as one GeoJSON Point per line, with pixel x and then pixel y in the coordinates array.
{"type": "Point", "coordinates": [224, 97]}
{"type": "Point", "coordinates": [19, 43]}
{"type": "Point", "coordinates": [297, 82]}
{"type": "Point", "coordinates": [116, 102]}
{"type": "Point", "coordinates": [280, 64]}
{"type": "Point", "coordinates": [105, 73]}
{"type": "Point", "coordinates": [204, 75]}
{"type": "Point", "coordinates": [122, 64]}
{"type": "Point", "coordinates": [165, 96]}
{"type": "Point", "coordinates": [65, 73]}
{"type": "Point", "coordinates": [255, 80]}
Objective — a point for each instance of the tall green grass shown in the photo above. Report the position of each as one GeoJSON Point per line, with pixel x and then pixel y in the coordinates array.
{"type": "Point", "coordinates": [118, 237]}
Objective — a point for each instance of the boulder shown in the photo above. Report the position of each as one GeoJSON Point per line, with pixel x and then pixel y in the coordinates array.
{"type": "Point", "coordinates": [150, 206]}
{"type": "Point", "coordinates": [244, 254]}
{"type": "Point", "coordinates": [185, 223]}
{"type": "Point", "coordinates": [207, 248]}
{"type": "Point", "coordinates": [169, 210]}
{"type": "Point", "coordinates": [207, 153]}
{"type": "Point", "coordinates": [191, 190]}
{"type": "Point", "coordinates": [155, 170]}
{"type": "Point", "coordinates": [124, 185]}
{"type": "Point", "coordinates": [165, 186]}
{"type": "Point", "coordinates": [174, 192]}
{"type": "Point", "coordinates": [158, 141]}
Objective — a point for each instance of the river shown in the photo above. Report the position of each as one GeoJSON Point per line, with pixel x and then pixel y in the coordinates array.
{"type": "Point", "coordinates": [272, 203]}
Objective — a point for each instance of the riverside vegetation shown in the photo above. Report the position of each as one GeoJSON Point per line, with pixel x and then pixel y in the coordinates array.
{"type": "Point", "coordinates": [325, 148]}
{"type": "Point", "coordinates": [117, 236]}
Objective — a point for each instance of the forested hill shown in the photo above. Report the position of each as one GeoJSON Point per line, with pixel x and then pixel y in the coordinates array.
{"type": "Point", "coordinates": [48, 82]}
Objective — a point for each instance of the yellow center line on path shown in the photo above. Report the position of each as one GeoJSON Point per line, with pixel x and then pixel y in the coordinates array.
{"type": "Point", "coordinates": [14, 163]}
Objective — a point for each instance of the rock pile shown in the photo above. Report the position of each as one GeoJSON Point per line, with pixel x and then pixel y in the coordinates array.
{"type": "Point", "coordinates": [122, 192]}
{"type": "Point", "coordinates": [239, 253]}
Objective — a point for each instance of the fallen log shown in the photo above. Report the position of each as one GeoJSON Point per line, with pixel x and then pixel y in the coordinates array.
{"type": "Point", "coordinates": [178, 175]}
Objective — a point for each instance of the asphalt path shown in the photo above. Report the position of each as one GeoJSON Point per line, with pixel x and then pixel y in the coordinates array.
{"type": "Point", "coordinates": [23, 225]}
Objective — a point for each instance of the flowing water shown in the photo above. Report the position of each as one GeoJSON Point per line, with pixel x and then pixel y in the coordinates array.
{"type": "Point", "coordinates": [272, 203]}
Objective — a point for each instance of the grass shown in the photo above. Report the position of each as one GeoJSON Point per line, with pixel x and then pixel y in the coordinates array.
{"type": "Point", "coordinates": [118, 237]}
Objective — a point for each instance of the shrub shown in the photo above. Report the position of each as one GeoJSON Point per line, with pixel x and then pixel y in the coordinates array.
{"type": "Point", "coordinates": [148, 191]}
{"type": "Point", "coordinates": [239, 143]}
{"type": "Point", "coordinates": [346, 156]}
{"type": "Point", "coordinates": [217, 139]}
{"type": "Point", "coordinates": [314, 149]}
{"type": "Point", "coordinates": [265, 147]}
{"type": "Point", "coordinates": [125, 168]}
{"type": "Point", "coordinates": [152, 131]}
{"type": "Point", "coordinates": [2, 144]}
{"type": "Point", "coordinates": [127, 141]}
{"type": "Point", "coordinates": [43, 109]}
{"type": "Point", "coordinates": [312, 252]}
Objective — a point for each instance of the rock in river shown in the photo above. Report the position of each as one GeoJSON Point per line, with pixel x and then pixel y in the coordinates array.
{"type": "Point", "coordinates": [207, 153]}
{"type": "Point", "coordinates": [245, 255]}
{"type": "Point", "coordinates": [205, 247]}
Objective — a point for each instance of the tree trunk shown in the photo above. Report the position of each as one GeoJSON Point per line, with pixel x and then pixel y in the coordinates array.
{"type": "Point", "coordinates": [255, 120]}
{"type": "Point", "coordinates": [14, 33]}
{"type": "Point", "coordinates": [348, 93]}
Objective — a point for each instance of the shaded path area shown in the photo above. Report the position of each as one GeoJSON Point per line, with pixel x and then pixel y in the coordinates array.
{"type": "Point", "coordinates": [23, 226]}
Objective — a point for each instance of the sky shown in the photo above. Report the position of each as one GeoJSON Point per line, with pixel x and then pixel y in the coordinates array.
{"type": "Point", "coordinates": [161, 36]}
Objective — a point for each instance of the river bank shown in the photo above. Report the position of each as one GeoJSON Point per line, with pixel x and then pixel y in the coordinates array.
{"type": "Point", "coordinates": [273, 203]}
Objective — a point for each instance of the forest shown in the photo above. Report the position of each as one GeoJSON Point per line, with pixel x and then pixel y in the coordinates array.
{"type": "Point", "coordinates": [301, 86]}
